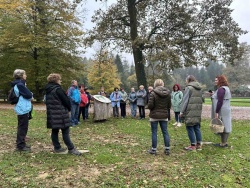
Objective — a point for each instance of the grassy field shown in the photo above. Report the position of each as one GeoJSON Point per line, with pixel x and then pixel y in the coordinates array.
{"type": "Point", "coordinates": [118, 157]}
{"type": "Point", "coordinates": [234, 101]}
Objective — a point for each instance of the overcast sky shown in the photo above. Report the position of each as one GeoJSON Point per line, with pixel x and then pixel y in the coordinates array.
{"type": "Point", "coordinates": [241, 15]}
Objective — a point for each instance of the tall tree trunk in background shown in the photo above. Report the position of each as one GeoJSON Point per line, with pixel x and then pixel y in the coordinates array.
{"type": "Point", "coordinates": [137, 53]}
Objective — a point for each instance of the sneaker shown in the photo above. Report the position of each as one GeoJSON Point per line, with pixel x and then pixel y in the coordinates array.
{"type": "Point", "coordinates": [190, 148]}
{"type": "Point", "coordinates": [61, 150]}
{"type": "Point", "coordinates": [152, 152]}
{"type": "Point", "coordinates": [175, 123]}
{"type": "Point", "coordinates": [198, 147]}
{"type": "Point", "coordinates": [24, 149]}
{"type": "Point", "coordinates": [178, 124]}
{"type": "Point", "coordinates": [167, 151]}
{"type": "Point", "coordinates": [74, 152]}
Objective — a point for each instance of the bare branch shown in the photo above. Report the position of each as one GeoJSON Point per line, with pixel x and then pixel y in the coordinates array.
{"type": "Point", "coordinates": [138, 1]}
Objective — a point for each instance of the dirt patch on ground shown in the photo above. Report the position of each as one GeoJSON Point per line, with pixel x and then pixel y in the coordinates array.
{"type": "Point", "coordinates": [238, 113]}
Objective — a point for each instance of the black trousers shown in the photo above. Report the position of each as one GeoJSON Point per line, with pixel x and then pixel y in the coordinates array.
{"type": "Point", "coordinates": [66, 138]}
{"type": "Point", "coordinates": [141, 111]}
{"type": "Point", "coordinates": [82, 112]}
{"type": "Point", "coordinates": [22, 129]}
{"type": "Point", "coordinates": [123, 109]}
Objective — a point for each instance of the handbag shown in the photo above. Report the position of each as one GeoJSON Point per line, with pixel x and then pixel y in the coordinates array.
{"type": "Point", "coordinates": [217, 126]}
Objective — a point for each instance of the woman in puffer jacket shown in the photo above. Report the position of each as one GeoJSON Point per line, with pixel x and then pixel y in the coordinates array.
{"type": "Point", "coordinates": [158, 104]}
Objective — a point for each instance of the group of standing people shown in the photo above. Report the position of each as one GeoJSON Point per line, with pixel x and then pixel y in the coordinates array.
{"type": "Point", "coordinates": [58, 106]}
{"type": "Point", "coordinates": [187, 107]}
{"type": "Point", "coordinates": [80, 101]}
{"type": "Point", "coordinates": [119, 100]}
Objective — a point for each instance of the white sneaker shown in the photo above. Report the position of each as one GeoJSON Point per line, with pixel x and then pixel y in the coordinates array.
{"type": "Point", "coordinates": [175, 123]}
{"type": "Point", "coordinates": [179, 124]}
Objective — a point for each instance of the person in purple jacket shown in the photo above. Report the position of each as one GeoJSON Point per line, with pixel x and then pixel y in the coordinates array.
{"type": "Point", "coordinates": [22, 108]}
{"type": "Point", "coordinates": [221, 108]}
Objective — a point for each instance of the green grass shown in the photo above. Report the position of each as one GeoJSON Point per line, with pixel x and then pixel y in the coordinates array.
{"type": "Point", "coordinates": [243, 102]}
{"type": "Point", "coordinates": [118, 157]}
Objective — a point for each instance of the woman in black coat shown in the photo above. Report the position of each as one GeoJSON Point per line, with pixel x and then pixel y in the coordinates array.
{"type": "Point", "coordinates": [58, 107]}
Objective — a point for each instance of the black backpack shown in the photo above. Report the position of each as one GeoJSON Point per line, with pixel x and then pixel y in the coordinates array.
{"type": "Point", "coordinates": [12, 98]}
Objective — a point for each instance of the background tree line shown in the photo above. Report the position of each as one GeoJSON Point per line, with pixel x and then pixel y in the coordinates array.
{"type": "Point", "coordinates": [124, 72]}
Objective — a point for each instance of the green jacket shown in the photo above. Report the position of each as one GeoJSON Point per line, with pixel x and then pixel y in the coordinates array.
{"type": "Point", "coordinates": [192, 104]}
{"type": "Point", "coordinates": [159, 102]}
{"type": "Point", "coordinates": [176, 98]}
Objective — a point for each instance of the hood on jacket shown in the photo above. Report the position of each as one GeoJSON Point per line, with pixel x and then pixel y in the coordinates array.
{"type": "Point", "coordinates": [50, 86]}
{"type": "Point", "coordinates": [17, 81]}
{"type": "Point", "coordinates": [161, 91]}
{"type": "Point", "coordinates": [196, 85]}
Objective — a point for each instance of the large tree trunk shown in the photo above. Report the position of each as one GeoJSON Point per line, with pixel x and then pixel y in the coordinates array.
{"type": "Point", "coordinates": [137, 53]}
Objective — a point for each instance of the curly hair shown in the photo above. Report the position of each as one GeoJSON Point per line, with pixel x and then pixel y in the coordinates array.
{"type": "Point", "coordinates": [222, 80]}
{"type": "Point", "coordinates": [54, 77]}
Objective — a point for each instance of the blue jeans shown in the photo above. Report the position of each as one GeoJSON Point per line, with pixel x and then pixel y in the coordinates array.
{"type": "Point", "coordinates": [194, 134]}
{"type": "Point", "coordinates": [176, 114]}
{"type": "Point", "coordinates": [66, 139]}
{"type": "Point", "coordinates": [133, 107]}
{"type": "Point", "coordinates": [74, 113]}
{"type": "Point", "coordinates": [164, 130]}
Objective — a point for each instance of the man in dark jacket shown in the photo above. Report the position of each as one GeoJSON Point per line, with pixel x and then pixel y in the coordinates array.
{"type": "Point", "coordinates": [58, 107]}
{"type": "Point", "coordinates": [158, 104]}
{"type": "Point", "coordinates": [191, 108]}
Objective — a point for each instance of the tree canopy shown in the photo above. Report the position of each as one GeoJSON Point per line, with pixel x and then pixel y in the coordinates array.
{"type": "Point", "coordinates": [175, 33]}
{"type": "Point", "coordinates": [41, 37]}
{"type": "Point", "coordinates": [103, 73]}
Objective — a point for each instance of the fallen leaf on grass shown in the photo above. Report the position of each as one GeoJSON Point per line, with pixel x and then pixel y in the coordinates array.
{"type": "Point", "coordinates": [43, 175]}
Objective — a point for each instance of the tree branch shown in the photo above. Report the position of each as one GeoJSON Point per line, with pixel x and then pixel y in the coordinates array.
{"type": "Point", "coordinates": [138, 1]}
{"type": "Point", "coordinates": [123, 19]}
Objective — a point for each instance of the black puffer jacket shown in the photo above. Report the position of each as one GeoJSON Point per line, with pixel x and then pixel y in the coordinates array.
{"type": "Point", "coordinates": [159, 103]}
{"type": "Point", "coordinates": [58, 107]}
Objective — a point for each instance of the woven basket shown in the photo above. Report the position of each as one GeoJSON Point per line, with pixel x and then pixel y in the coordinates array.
{"type": "Point", "coordinates": [217, 126]}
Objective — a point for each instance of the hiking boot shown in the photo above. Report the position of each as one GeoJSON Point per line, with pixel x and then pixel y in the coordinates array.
{"type": "Point", "coordinates": [24, 149]}
{"type": "Point", "coordinates": [152, 152]}
{"type": "Point", "coordinates": [167, 151]}
{"type": "Point", "coordinates": [190, 148]}
{"type": "Point", "coordinates": [61, 150]}
{"type": "Point", "coordinates": [198, 147]}
{"type": "Point", "coordinates": [74, 152]}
